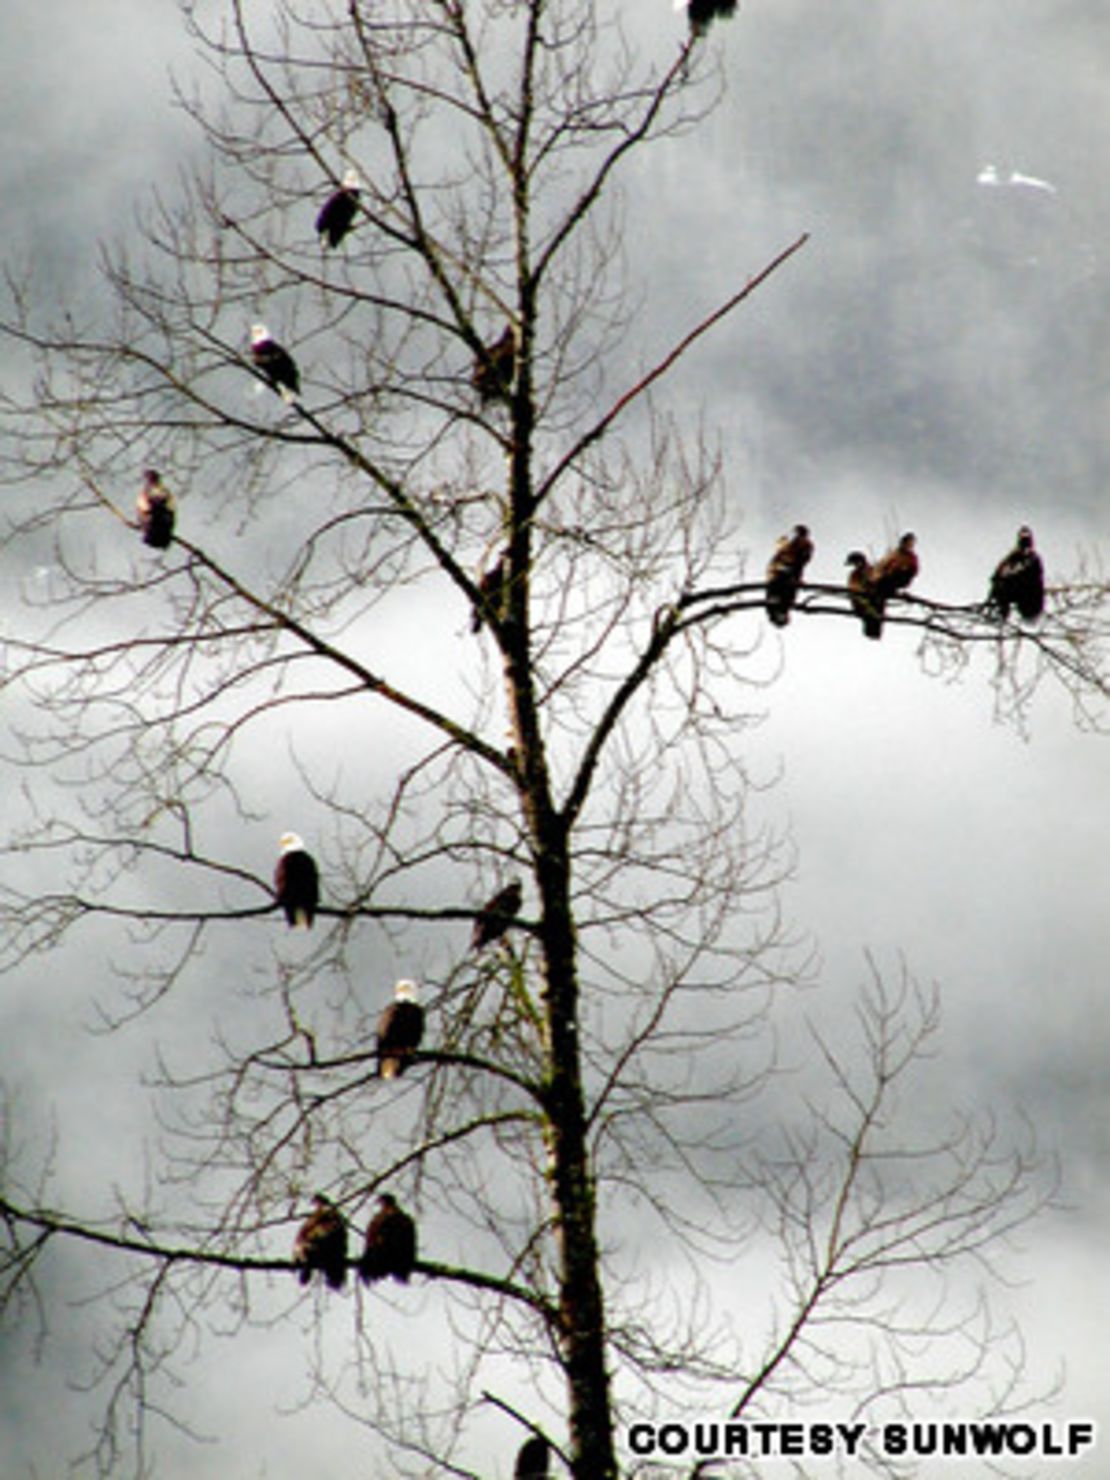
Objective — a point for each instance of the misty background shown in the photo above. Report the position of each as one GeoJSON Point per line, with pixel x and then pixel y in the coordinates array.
{"type": "Point", "coordinates": [934, 359]}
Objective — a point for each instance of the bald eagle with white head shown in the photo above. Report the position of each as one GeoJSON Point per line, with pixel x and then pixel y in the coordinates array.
{"type": "Point", "coordinates": [297, 882]}
{"type": "Point", "coordinates": [156, 511]}
{"type": "Point", "coordinates": [337, 214]}
{"type": "Point", "coordinates": [400, 1029]}
{"type": "Point", "coordinates": [275, 364]}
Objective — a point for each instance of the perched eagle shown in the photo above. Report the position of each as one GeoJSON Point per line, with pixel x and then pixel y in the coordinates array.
{"type": "Point", "coordinates": [297, 882]}
{"type": "Point", "coordinates": [784, 573]}
{"type": "Point", "coordinates": [337, 214]}
{"type": "Point", "coordinates": [275, 363]}
{"type": "Point", "coordinates": [496, 915]}
{"type": "Point", "coordinates": [1018, 580]}
{"type": "Point", "coordinates": [390, 1243]}
{"type": "Point", "coordinates": [701, 12]}
{"type": "Point", "coordinates": [321, 1243]}
{"type": "Point", "coordinates": [493, 372]}
{"type": "Point", "coordinates": [896, 569]}
{"type": "Point", "coordinates": [400, 1029]}
{"type": "Point", "coordinates": [491, 588]}
{"type": "Point", "coordinates": [866, 602]}
{"type": "Point", "coordinates": [156, 509]}
{"type": "Point", "coordinates": [532, 1459]}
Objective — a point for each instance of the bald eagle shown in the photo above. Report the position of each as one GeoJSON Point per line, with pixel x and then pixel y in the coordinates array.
{"type": "Point", "coordinates": [390, 1243]}
{"type": "Point", "coordinates": [1018, 580]}
{"type": "Point", "coordinates": [866, 603]}
{"type": "Point", "coordinates": [491, 588]}
{"type": "Point", "coordinates": [400, 1029]}
{"type": "Point", "coordinates": [275, 363]}
{"type": "Point", "coordinates": [156, 509]}
{"type": "Point", "coordinates": [297, 882]}
{"type": "Point", "coordinates": [493, 371]}
{"type": "Point", "coordinates": [532, 1459]}
{"type": "Point", "coordinates": [896, 569]}
{"type": "Point", "coordinates": [497, 915]}
{"type": "Point", "coordinates": [337, 214]}
{"type": "Point", "coordinates": [321, 1243]}
{"type": "Point", "coordinates": [784, 573]}
{"type": "Point", "coordinates": [701, 12]}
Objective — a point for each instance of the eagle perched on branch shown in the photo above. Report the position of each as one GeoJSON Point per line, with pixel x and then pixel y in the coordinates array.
{"type": "Point", "coordinates": [701, 13]}
{"type": "Point", "coordinates": [1018, 580]}
{"type": "Point", "coordinates": [337, 214]}
{"type": "Point", "coordinates": [321, 1243]}
{"type": "Point", "coordinates": [784, 573]}
{"type": "Point", "coordinates": [400, 1029]}
{"type": "Point", "coordinates": [390, 1243]}
{"type": "Point", "coordinates": [497, 915]}
{"type": "Point", "coordinates": [155, 509]}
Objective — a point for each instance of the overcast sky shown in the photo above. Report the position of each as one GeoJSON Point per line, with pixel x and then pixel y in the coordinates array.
{"type": "Point", "coordinates": [935, 359]}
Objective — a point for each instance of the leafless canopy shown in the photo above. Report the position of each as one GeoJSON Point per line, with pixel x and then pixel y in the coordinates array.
{"type": "Point", "coordinates": [300, 655]}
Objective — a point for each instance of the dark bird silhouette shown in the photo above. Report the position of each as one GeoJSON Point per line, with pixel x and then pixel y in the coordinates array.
{"type": "Point", "coordinates": [497, 915]}
{"type": "Point", "coordinates": [532, 1459]}
{"type": "Point", "coordinates": [297, 882]}
{"type": "Point", "coordinates": [337, 214]}
{"type": "Point", "coordinates": [701, 13]}
{"type": "Point", "coordinates": [493, 372]}
{"type": "Point", "coordinates": [896, 569]}
{"type": "Point", "coordinates": [275, 363]}
{"type": "Point", "coordinates": [784, 573]}
{"type": "Point", "coordinates": [491, 588]}
{"type": "Point", "coordinates": [865, 602]}
{"type": "Point", "coordinates": [1018, 580]}
{"type": "Point", "coordinates": [390, 1243]}
{"type": "Point", "coordinates": [400, 1029]}
{"type": "Point", "coordinates": [156, 510]}
{"type": "Point", "coordinates": [321, 1243]}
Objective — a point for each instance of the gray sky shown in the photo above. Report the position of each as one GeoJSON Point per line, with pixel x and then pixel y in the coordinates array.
{"type": "Point", "coordinates": [934, 359]}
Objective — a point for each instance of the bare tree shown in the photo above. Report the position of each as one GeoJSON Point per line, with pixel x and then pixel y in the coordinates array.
{"type": "Point", "coordinates": [469, 441]}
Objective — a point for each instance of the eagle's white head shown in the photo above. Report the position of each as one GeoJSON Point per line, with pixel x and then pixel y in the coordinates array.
{"type": "Point", "coordinates": [259, 334]}
{"type": "Point", "coordinates": [406, 991]}
{"type": "Point", "coordinates": [291, 843]}
{"type": "Point", "coordinates": [351, 180]}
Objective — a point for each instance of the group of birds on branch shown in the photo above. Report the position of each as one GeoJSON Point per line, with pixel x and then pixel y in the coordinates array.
{"type": "Point", "coordinates": [1017, 581]}
{"type": "Point", "coordinates": [389, 1248]}
{"type": "Point", "coordinates": [297, 891]}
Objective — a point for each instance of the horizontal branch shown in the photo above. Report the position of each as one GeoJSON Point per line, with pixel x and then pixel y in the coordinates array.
{"type": "Point", "coordinates": [52, 1224]}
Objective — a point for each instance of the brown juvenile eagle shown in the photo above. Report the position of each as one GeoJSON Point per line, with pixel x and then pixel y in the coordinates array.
{"type": "Point", "coordinates": [321, 1243]}
{"type": "Point", "coordinates": [493, 372]}
{"type": "Point", "coordinates": [896, 569]}
{"type": "Point", "coordinates": [865, 603]}
{"type": "Point", "coordinates": [497, 915]}
{"type": "Point", "coordinates": [1018, 580]}
{"type": "Point", "coordinates": [390, 1247]}
{"type": "Point", "coordinates": [784, 573]}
